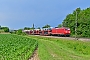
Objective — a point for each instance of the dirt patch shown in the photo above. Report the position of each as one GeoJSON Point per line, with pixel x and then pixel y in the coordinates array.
{"type": "Point", "coordinates": [35, 55]}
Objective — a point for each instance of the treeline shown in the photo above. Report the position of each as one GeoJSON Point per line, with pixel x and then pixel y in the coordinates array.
{"type": "Point", "coordinates": [79, 19]}
{"type": "Point", "coordinates": [4, 29]}
{"type": "Point", "coordinates": [28, 28]}
{"type": "Point", "coordinates": [20, 31]}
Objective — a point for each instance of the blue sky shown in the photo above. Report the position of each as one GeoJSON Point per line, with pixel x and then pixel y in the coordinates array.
{"type": "Point", "coordinates": [17, 14]}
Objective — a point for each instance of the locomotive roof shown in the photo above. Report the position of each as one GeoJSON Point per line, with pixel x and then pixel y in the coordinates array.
{"type": "Point", "coordinates": [62, 28]}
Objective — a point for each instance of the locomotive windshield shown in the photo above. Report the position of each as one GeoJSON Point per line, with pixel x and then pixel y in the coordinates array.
{"type": "Point", "coordinates": [67, 29]}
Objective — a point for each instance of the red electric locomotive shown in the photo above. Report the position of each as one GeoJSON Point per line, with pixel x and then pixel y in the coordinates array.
{"type": "Point", "coordinates": [61, 31]}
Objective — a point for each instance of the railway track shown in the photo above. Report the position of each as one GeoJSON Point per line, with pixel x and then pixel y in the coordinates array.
{"type": "Point", "coordinates": [70, 38]}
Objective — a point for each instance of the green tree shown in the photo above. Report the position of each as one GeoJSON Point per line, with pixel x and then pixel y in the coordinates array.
{"type": "Point", "coordinates": [19, 32]}
{"type": "Point", "coordinates": [60, 25]}
{"type": "Point", "coordinates": [26, 28]}
{"type": "Point", "coordinates": [6, 29]}
{"type": "Point", "coordinates": [38, 28]}
{"type": "Point", "coordinates": [83, 22]}
{"type": "Point", "coordinates": [46, 26]}
{"type": "Point", "coordinates": [0, 26]}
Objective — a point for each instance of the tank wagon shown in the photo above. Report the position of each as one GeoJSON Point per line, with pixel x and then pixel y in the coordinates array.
{"type": "Point", "coordinates": [63, 31]}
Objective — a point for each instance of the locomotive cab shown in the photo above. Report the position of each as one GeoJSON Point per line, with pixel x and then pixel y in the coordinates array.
{"type": "Point", "coordinates": [67, 32]}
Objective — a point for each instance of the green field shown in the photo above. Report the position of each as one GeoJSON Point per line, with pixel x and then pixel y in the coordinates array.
{"type": "Point", "coordinates": [60, 49]}
{"type": "Point", "coordinates": [14, 47]}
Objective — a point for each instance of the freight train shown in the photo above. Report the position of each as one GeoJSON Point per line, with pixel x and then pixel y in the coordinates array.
{"type": "Point", "coordinates": [63, 31]}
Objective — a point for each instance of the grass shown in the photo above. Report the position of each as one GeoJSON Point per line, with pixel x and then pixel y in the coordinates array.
{"type": "Point", "coordinates": [14, 47]}
{"type": "Point", "coordinates": [62, 49]}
